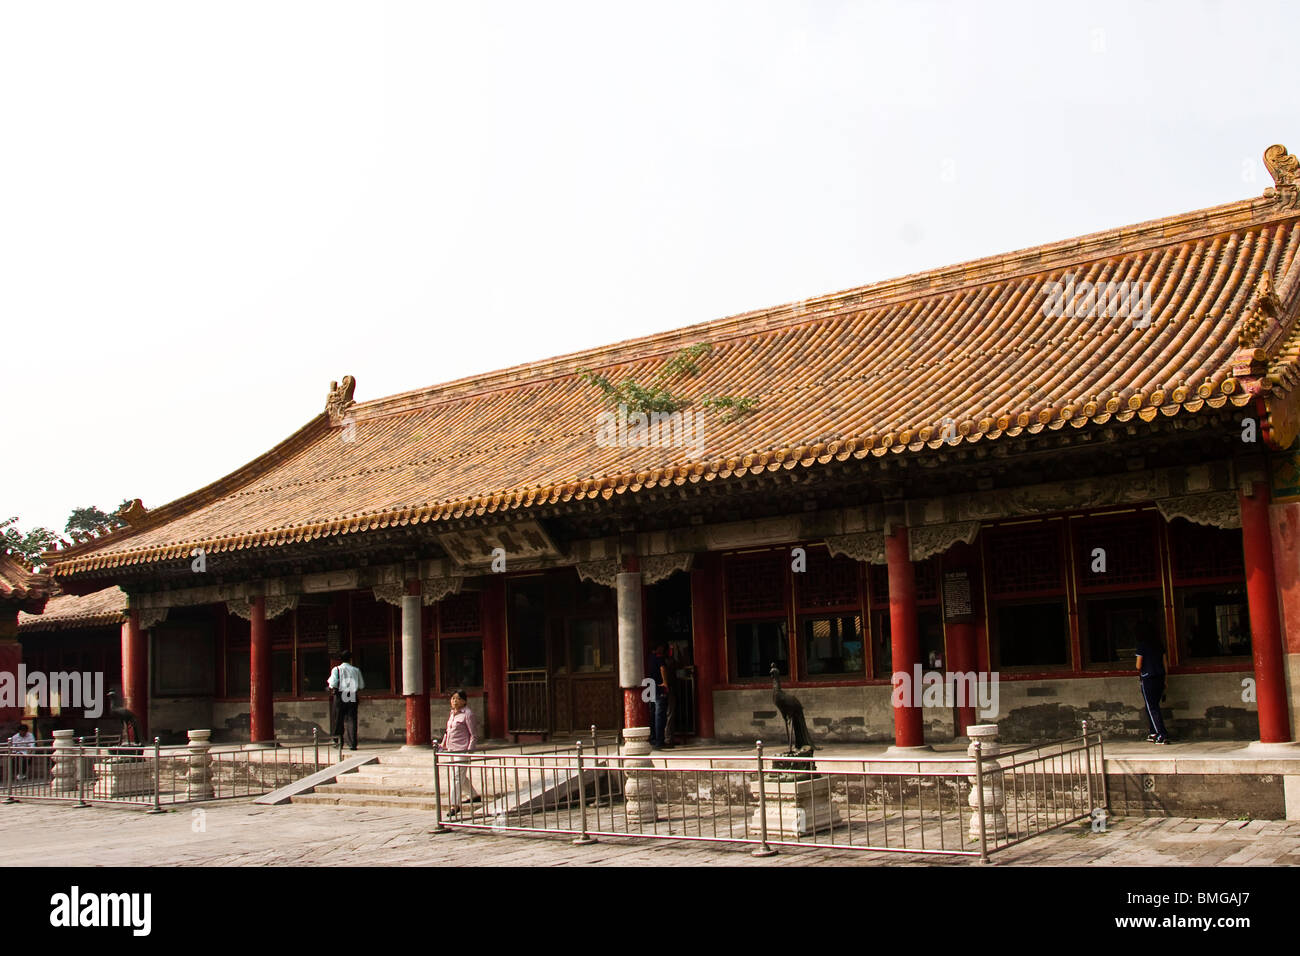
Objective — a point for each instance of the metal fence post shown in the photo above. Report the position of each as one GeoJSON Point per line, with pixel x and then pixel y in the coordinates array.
{"type": "Point", "coordinates": [1101, 770]}
{"type": "Point", "coordinates": [595, 745]}
{"type": "Point", "coordinates": [1087, 756]}
{"type": "Point", "coordinates": [979, 801]}
{"type": "Point", "coordinates": [9, 777]}
{"type": "Point", "coordinates": [81, 774]}
{"type": "Point", "coordinates": [157, 777]}
{"type": "Point", "coordinates": [437, 793]}
{"type": "Point", "coordinates": [315, 749]}
{"type": "Point", "coordinates": [585, 839]}
{"type": "Point", "coordinates": [764, 849]}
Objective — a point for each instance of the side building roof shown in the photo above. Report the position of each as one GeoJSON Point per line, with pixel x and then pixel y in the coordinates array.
{"type": "Point", "coordinates": [21, 588]}
{"type": "Point", "coordinates": [66, 612]}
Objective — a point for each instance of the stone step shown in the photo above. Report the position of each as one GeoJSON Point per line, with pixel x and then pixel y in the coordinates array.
{"type": "Point", "coordinates": [364, 786]}
{"type": "Point", "coordinates": [326, 797]}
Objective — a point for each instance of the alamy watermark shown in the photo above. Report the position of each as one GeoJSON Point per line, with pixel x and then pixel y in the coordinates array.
{"type": "Point", "coordinates": [624, 429]}
{"type": "Point", "coordinates": [77, 689]}
{"type": "Point", "coordinates": [1089, 300]}
{"type": "Point", "coordinates": [125, 910]}
{"type": "Point", "coordinates": [949, 689]}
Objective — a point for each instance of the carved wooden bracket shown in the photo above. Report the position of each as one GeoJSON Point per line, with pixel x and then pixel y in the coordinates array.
{"type": "Point", "coordinates": [1219, 509]}
{"type": "Point", "coordinates": [926, 540]}
{"type": "Point", "coordinates": [659, 566]}
{"type": "Point", "coordinates": [869, 546]}
{"type": "Point", "coordinates": [602, 572]}
{"type": "Point", "coordinates": [433, 590]}
{"type": "Point", "coordinates": [275, 606]}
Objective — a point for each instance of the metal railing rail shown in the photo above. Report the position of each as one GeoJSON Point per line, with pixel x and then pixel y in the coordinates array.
{"type": "Point", "coordinates": [932, 807]}
{"type": "Point", "coordinates": [152, 775]}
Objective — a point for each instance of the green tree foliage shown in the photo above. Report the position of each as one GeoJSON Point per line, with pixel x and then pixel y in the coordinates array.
{"type": "Point", "coordinates": [82, 523]}
{"type": "Point", "coordinates": [27, 546]}
{"type": "Point", "coordinates": [90, 519]}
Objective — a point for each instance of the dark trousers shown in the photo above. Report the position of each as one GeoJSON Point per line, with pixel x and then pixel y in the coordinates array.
{"type": "Point", "coordinates": [345, 718]}
{"type": "Point", "coordinates": [670, 716]}
{"type": "Point", "coordinates": [1153, 688]}
{"type": "Point", "coordinates": [659, 717]}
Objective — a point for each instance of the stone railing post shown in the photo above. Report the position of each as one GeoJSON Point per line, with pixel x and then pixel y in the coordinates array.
{"type": "Point", "coordinates": [63, 775]}
{"type": "Point", "coordinates": [638, 785]}
{"type": "Point", "coordinates": [199, 782]}
{"type": "Point", "coordinates": [995, 820]}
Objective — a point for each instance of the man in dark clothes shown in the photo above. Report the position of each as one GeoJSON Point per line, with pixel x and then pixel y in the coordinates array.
{"type": "Point", "coordinates": [668, 670]}
{"type": "Point", "coordinates": [659, 705]}
{"type": "Point", "coordinates": [1151, 677]}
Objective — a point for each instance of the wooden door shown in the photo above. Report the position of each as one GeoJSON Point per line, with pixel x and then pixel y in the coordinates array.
{"type": "Point", "coordinates": [586, 680]}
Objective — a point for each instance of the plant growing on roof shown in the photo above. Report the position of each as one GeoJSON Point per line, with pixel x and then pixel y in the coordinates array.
{"type": "Point", "coordinates": [731, 408]}
{"type": "Point", "coordinates": [656, 397]}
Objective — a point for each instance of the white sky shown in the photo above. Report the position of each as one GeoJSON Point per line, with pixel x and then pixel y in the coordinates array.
{"type": "Point", "coordinates": [210, 211]}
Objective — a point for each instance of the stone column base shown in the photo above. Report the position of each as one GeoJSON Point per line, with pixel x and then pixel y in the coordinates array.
{"type": "Point", "coordinates": [640, 799]}
{"type": "Point", "coordinates": [995, 820]}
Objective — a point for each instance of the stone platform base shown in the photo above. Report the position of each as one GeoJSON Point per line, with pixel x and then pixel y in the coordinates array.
{"type": "Point", "coordinates": [127, 778]}
{"type": "Point", "coordinates": [796, 808]}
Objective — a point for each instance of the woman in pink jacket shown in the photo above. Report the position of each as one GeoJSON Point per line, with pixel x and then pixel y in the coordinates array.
{"type": "Point", "coordinates": [461, 737]}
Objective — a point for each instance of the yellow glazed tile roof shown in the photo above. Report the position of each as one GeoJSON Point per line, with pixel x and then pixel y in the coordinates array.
{"type": "Point", "coordinates": [969, 353]}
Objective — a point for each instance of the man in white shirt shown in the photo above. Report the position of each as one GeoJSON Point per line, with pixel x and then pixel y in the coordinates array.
{"type": "Point", "coordinates": [345, 680]}
{"type": "Point", "coordinates": [22, 743]}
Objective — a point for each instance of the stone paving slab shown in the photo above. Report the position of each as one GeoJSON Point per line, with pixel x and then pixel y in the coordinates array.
{"type": "Point", "coordinates": [240, 833]}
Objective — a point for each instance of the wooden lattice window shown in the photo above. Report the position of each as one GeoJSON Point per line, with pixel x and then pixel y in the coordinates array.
{"type": "Point", "coordinates": [927, 580]}
{"type": "Point", "coordinates": [878, 583]}
{"type": "Point", "coordinates": [1126, 547]}
{"type": "Point", "coordinates": [1201, 554]}
{"type": "Point", "coordinates": [371, 619]}
{"type": "Point", "coordinates": [828, 582]}
{"type": "Point", "coordinates": [313, 624]}
{"type": "Point", "coordinates": [280, 629]}
{"type": "Point", "coordinates": [372, 628]}
{"type": "Point", "coordinates": [461, 614]}
{"type": "Point", "coordinates": [756, 583]}
{"type": "Point", "coordinates": [1025, 559]}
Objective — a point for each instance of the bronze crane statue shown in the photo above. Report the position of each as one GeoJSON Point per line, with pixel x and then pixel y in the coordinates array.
{"type": "Point", "coordinates": [128, 719]}
{"type": "Point", "coordinates": [796, 728]}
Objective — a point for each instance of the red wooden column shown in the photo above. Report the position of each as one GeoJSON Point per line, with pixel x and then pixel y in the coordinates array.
{"type": "Point", "coordinates": [261, 709]}
{"type": "Point", "coordinates": [414, 688]}
{"type": "Point", "coordinates": [493, 610]}
{"type": "Point", "coordinates": [11, 656]}
{"type": "Point", "coordinates": [135, 672]}
{"type": "Point", "coordinates": [908, 727]}
{"type": "Point", "coordinates": [963, 656]}
{"type": "Point", "coordinates": [1265, 626]}
{"type": "Point", "coordinates": [706, 637]}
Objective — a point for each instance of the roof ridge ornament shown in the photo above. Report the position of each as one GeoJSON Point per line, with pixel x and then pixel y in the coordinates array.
{"type": "Point", "coordinates": [340, 398]}
{"type": "Point", "coordinates": [1285, 170]}
{"type": "Point", "coordinates": [1263, 312]}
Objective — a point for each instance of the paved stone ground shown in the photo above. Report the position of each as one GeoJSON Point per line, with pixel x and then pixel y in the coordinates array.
{"type": "Point", "coordinates": [238, 833]}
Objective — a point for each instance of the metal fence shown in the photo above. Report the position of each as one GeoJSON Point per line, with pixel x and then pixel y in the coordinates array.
{"type": "Point", "coordinates": [967, 805]}
{"type": "Point", "coordinates": [151, 776]}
